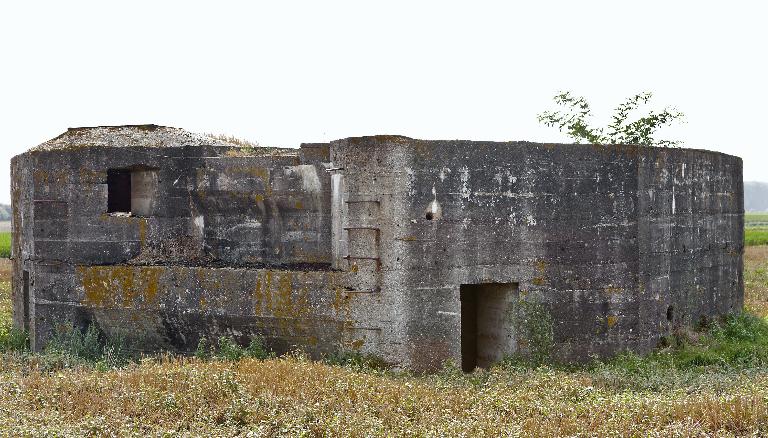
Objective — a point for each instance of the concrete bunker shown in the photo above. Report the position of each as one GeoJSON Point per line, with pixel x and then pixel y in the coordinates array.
{"type": "Point", "coordinates": [163, 237]}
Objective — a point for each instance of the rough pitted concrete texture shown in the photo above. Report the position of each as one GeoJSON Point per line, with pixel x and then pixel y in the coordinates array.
{"type": "Point", "coordinates": [414, 251]}
{"type": "Point", "coordinates": [151, 136]}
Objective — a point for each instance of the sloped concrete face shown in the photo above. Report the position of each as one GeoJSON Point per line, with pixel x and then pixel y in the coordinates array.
{"type": "Point", "coordinates": [367, 243]}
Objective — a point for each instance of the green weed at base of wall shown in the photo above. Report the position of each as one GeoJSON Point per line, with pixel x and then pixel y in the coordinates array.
{"type": "Point", "coordinates": [536, 327]}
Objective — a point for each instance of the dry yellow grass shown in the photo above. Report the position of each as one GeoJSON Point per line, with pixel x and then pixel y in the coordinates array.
{"type": "Point", "coordinates": [294, 397]}
{"type": "Point", "coordinates": [290, 396]}
{"type": "Point", "coordinates": [5, 292]}
{"type": "Point", "coordinates": [5, 269]}
{"type": "Point", "coordinates": [756, 280]}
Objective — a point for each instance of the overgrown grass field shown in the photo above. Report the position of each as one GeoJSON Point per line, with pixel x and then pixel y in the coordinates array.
{"type": "Point", "coordinates": [706, 383]}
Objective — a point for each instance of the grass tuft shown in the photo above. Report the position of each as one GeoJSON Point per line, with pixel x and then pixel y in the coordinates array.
{"type": "Point", "coordinates": [227, 349]}
{"type": "Point", "coordinates": [356, 361]}
{"type": "Point", "coordinates": [71, 347]}
{"type": "Point", "coordinates": [13, 339]}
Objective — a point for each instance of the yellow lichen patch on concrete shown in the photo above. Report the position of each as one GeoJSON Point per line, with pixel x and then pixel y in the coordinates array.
{"type": "Point", "coordinates": [252, 171]}
{"type": "Point", "coordinates": [612, 320]}
{"type": "Point", "coordinates": [540, 267]}
{"type": "Point", "coordinates": [208, 281]}
{"type": "Point", "coordinates": [50, 178]}
{"type": "Point", "coordinates": [97, 284]}
{"type": "Point", "coordinates": [293, 304]}
{"type": "Point", "coordinates": [116, 286]}
{"type": "Point", "coordinates": [611, 289]}
{"type": "Point", "coordinates": [282, 300]}
{"type": "Point", "coordinates": [340, 300]}
{"type": "Point", "coordinates": [150, 283]}
{"type": "Point", "coordinates": [258, 296]}
{"type": "Point", "coordinates": [261, 294]}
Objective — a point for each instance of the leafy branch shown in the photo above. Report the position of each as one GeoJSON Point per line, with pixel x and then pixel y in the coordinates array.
{"type": "Point", "coordinates": [573, 120]}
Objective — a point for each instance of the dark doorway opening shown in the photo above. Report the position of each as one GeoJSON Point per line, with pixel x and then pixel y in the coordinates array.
{"type": "Point", "coordinates": [118, 191]}
{"type": "Point", "coordinates": [486, 323]}
{"type": "Point", "coordinates": [25, 299]}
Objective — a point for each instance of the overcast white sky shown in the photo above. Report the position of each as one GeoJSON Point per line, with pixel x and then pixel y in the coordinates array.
{"type": "Point", "coordinates": [283, 73]}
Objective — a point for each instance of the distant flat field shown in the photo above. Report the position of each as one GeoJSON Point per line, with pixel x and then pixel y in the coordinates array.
{"type": "Point", "coordinates": [756, 220]}
{"type": "Point", "coordinates": [5, 226]}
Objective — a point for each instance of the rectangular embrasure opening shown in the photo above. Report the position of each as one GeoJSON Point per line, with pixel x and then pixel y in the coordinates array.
{"type": "Point", "coordinates": [118, 191]}
{"type": "Point", "coordinates": [25, 299]}
{"type": "Point", "coordinates": [486, 323]}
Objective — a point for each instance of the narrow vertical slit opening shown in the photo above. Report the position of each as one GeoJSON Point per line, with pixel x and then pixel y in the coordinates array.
{"type": "Point", "coordinates": [25, 299]}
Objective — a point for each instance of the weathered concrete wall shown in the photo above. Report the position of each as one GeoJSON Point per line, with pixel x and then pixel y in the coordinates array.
{"type": "Point", "coordinates": [690, 234]}
{"type": "Point", "coordinates": [208, 207]}
{"type": "Point", "coordinates": [569, 224]}
{"type": "Point", "coordinates": [172, 307]}
{"type": "Point", "coordinates": [576, 250]}
{"type": "Point", "coordinates": [221, 206]}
